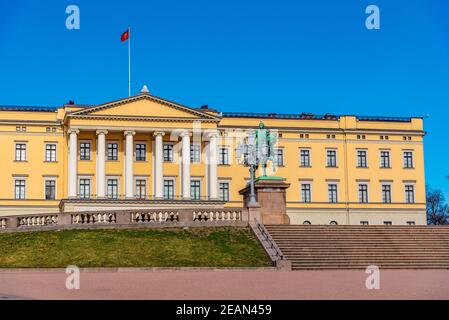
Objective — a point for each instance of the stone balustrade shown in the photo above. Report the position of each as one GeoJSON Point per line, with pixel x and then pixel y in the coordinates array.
{"type": "Point", "coordinates": [94, 218]}
{"type": "Point", "coordinates": [154, 216]}
{"type": "Point", "coordinates": [127, 218]}
{"type": "Point", "coordinates": [219, 215]}
{"type": "Point", "coordinates": [33, 221]}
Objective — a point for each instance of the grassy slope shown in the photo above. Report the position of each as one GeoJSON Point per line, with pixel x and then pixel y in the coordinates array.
{"type": "Point", "coordinates": [198, 247]}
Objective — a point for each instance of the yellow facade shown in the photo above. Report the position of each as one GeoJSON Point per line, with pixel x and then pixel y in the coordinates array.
{"type": "Point", "coordinates": [144, 115]}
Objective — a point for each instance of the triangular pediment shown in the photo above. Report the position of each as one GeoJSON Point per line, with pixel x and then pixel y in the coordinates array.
{"type": "Point", "coordinates": [145, 106]}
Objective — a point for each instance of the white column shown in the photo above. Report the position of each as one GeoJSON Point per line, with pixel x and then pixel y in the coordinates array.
{"type": "Point", "coordinates": [73, 161]}
{"type": "Point", "coordinates": [158, 165]}
{"type": "Point", "coordinates": [101, 163]}
{"type": "Point", "coordinates": [185, 165]}
{"type": "Point", "coordinates": [212, 161]}
{"type": "Point", "coordinates": [129, 164]}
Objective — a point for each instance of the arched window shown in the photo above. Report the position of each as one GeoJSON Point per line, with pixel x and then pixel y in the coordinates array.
{"type": "Point", "coordinates": [306, 223]}
{"type": "Point", "coordinates": [333, 223]}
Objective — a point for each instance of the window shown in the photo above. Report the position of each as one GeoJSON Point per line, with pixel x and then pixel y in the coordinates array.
{"type": "Point", "coordinates": [19, 189]}
{"type": "Point", "coordinates": [409, 193]}
{"type": "Point", "coordinates": [195, 153]}
{"type": "Point", "coordinates": [385, 159]}
{"type": "Point", "coordinates": [332, 190]}
{"type": "Point", "coordinates": [224, 191]}
{"type": "Point", "coordinates": [305, 193]}
{"type": "Point", "coordinates": [112, 151]}
{"type": "Point", "coordinates": [304, 136]}
{"type": "Point", "coordinates": [195, 190]}
{"type": "Point", "coordinates": [168, 152]}
{"type": "Point", "coordinates": [50, 152]}
{"type": "Point", "coordinates": [388, 223]}
{"type": "Point", "coordinates": [307, 223]}
{"type": "Point", "coordinates": [84, 190]}
{"type": "Point", "coordinates": [113, 188]}
{"type": "Point", "coordinates": [408, 159]}
{"type": "Point", "coordinates": [364, 223]}
{"type": "Point", "coordinates": [85, 151]}
{"type": "Point", "coordinates": [141, 189]}
{"type": "Point", "coordinates": [50, 189]}
{"type": "Point", "coordinates": [223, 156]}
{"type": "Point", "coordinates": [304, 156]}
{"type": "Point", "coordinates": [411, 223]}
{"type": "Point", "coordinates": [141, 152]}
{"type": "Point", "coordinates": [169, 189]}
{"type": "Point", "coordinates": [333, 223]}
{"type": "Point", "coordinates": [18, 129]}
{"type": "Point", "coordinates": [280, 157]}
{"type": "Point", "coordinates": [331, 158]}
{"type": "Point", "coordinates": [363, 193]}
{"type": "Point", "coordinates": [386, 193]}
{"type": "Point", "coordinates": [361, 159]}
{"type": "Point", "coordinates": [21, 152]}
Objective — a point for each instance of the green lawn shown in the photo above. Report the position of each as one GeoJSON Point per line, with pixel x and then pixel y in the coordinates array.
{"type": "Point", "coordinates": [195, 247]}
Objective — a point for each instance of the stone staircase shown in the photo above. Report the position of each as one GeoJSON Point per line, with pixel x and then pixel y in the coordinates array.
{"type": "Point", "coordinates": [357, 247]}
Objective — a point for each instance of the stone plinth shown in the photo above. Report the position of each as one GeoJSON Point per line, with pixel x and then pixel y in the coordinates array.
{"type": "Point", "coordinates": [271, 197]}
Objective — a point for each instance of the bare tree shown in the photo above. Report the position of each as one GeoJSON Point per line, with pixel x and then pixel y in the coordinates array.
{"type": "Point", "coordinates": [437, 209]}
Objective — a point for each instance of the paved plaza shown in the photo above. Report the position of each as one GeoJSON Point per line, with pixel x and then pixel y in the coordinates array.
{"type": "Point", "coordinates": [225, 284]}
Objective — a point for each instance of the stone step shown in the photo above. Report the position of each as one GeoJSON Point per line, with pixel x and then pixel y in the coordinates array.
{"type": "Point", "coordinates": [355, 247]}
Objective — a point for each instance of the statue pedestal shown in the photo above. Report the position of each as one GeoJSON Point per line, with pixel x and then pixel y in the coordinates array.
{"type": "Point", "coordinates": [271, 197]}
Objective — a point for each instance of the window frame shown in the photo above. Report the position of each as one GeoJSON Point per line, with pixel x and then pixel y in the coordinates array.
{"type": "Point", "coordinates": [83, 196]}
{"type": "Point", "coordinates": [45, 188]}
{"type": "Point", "coordinates": [169, 148]}
{"type": "Point", "coordinates": [331, 199]}
{"type": "Point", "coordinates": [114, 156]}
{"type": "Point", "coordinates": [303, 198]}
{"type": "Point", "coordinates": [405, 160]}
{"type": "Point", "coordinates": [22, 195]}
{"type": "Point", "coordinates": [223, 157]}
{"type": "Point", "coordinates": [308, 157]}
{"type": "Point", "coordinates": [228, 190]}
{"type": "Point", "coordinates": [173, 186]}
{"type": "Point", "coordinates": [136, 188]}
{"type": "Point", "coordinates": [382, 157]}
{"type": "Point", "coordinates": [138, 153]}
{"type": "Point", "coordinates": [390, 196]}
{"type": "Point", "coordinates": [362, 158]}
{"type": "Point", "coordinates": [21, 155]}
{"type": "Point", "coordinates": [363, 191]}
{"type": "Point", "coordinates": [115, 187]}
{"type": "Point", "coordinates": [197, 196]}
{"type": "Point", "coordinates": [334, 163]}
{"type": "Point", "coordinates": [82, 154]}
{"type": "Point", "coordinates": [47, 150]}
{"type": "Point", "coordinates": [408, 192]}
{"type": "Point", "coordinates": [195, 153]}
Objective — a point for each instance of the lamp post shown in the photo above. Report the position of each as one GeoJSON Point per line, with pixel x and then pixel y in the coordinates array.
{"type": "Point", "coordinates": [257, 149]}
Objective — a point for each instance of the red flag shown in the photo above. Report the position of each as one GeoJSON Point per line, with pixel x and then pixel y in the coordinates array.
{"type": "Point", "coordinates": [125, 36]}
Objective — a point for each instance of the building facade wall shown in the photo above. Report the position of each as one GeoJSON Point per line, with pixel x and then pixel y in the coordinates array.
{"type": "Point", "coordinates": [346, 135]}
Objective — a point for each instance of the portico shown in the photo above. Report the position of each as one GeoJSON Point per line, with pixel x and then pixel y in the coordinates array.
{"type": "Point", "coordinates": [149, 158]}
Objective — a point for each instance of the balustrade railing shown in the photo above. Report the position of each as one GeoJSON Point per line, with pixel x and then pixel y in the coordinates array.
{"type": "Point", "coordinates": [154, 216]}
{"type": "Point", "coordinates": [94, 218]}
{"type": "Point", "coordinates": [175, 217]}
{"type": "Point", "coordinates": [217, 215]}
{"type": "Point", "coordinates": [3, 223]}
{"type": "Point", "coordinates": [32, 221]}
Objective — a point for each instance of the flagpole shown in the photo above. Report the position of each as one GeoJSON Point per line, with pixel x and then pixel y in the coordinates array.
{"type": "Point", "coordinates": [129, 62]}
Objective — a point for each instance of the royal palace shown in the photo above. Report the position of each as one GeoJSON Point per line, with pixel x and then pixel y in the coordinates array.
{"type": "Point", "coordinates": [144, 151]}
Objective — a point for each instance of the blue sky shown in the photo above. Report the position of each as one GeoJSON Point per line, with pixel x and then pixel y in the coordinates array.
{"type": "Point", "coordinates": [262, 56]}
